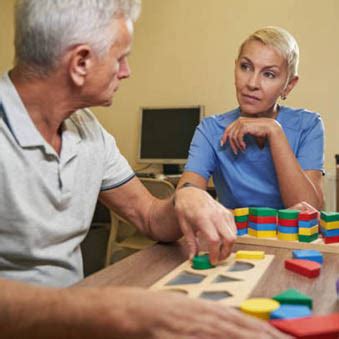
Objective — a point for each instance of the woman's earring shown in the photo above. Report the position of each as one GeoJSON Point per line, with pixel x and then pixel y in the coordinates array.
{"type": "Point", "coordinates": [283, 97]}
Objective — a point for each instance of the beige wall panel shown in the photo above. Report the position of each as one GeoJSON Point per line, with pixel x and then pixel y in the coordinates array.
{"type": "Point", "coordinates": [184, 54]}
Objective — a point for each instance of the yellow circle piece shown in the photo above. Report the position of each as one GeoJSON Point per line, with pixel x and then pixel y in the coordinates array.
{"type": "Point", "coordinates": [259, 307]}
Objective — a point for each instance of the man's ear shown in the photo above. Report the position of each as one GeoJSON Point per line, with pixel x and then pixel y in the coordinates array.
{"type": "Point", "coordinates": [81, 61]}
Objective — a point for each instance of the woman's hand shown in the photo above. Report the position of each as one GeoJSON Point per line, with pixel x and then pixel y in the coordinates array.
{"type": "Point", "coordinates": [261, 128]}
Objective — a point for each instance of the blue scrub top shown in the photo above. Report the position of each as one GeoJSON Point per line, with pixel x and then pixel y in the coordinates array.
{"type": "Point", "coordinates": [249, 178]}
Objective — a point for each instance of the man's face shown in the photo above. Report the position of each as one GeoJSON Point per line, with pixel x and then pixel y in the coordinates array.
{"type": "Point", "coordinates": [108, 71]}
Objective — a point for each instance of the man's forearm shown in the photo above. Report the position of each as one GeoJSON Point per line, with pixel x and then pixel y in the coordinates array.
{"type": "Point", "coordinates": [29, 312]}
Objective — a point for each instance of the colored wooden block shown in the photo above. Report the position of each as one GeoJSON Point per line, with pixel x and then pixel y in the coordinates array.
{"type": "Point", "coordinates": [263, 211]}
{"type": "Point", "coordinates": [308, 238]}
{"type": "Point", "coordinates": [293, 297]}
{"type": "Point", "coordinates": [242, 218]}
{"type": "Point", "coordinates": [290, 312]}
{"type": "Point", "coordinates": [288, 214]}
{"type": "Point", "coordinates": [288, 237]}
{"type": "Point", "coordinates": [312, 255]}
{"type": "Point", "coordinates": [288, 222]}
{"type": "Point", "coordinates": [332, 225]}
{"type": "Point", "coordinates": [201, 262]}
{"type": "Point", "coordinates": [242, 231]}
{"type": "Point", "coordinates": [262, 234]}
{"type": "Point", "coordinates": [329, 216]}
{"type": "Point", "coordinates": [259, 307]}
{"type": "Point", "coordinates": [337, 287]}
{"type": "Point", "coordinates": [241, 211]}
{"type": "Point", "coordinates": [263, 220]}
{"type": "Point", "coordinates": [262, 227]}
{"type": "Point", "coordinates": [288, 229]}
{"type": "Point", "coordinates": [308, 231]}
{"type": "Point", "coordinates": [241, 225]}
{"type": "Point", "coordinates": [308, 215]}
{"type": "Point", "coordinates": [331, 240]}
{"type": "Point", "coordinates": [306, 268]}
{"type": "Point", "coordinates": [308, 223]}
{"type": "Point", "coordinates": [318, 327]}
{"type": "Point", "coordinates": [330, 233]}
{"type": "Point", "coordinates": [250, 255]}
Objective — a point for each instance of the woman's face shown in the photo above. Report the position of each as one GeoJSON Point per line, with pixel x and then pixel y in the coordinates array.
{"type": "Point", "coordinates": [261, 76]}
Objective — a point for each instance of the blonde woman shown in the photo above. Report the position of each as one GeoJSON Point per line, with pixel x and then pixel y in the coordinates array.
{"type": "Point", "coordinates": [261, 153]}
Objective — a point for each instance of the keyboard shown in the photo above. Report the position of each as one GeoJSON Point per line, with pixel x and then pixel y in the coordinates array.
{"type": "Point", "coordinates": [145, 175]}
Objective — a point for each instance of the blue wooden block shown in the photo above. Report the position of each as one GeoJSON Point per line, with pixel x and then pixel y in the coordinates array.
{"type": "Point", "coordinates": [330, 233]}
{"type": "Point", "coordinates": [308, 223]}
{"type": "Point", "coordinates": [290, 312]}
{"type": "Point", "coordinates": [242, 231]}
{"type": "Point", "coordinates": [288, 229]}
{"type": "Point", "coordinates": [262, 227]}
{"type": "Point", "coordinates": [312, 255]}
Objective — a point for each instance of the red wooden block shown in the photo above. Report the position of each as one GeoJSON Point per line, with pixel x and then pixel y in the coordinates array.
{"type": "Point", "coordinates": [263, 219]}
{"type": "Point", "coordinates": [288, 222]}
{"type": "Point", "coordinates": [308, 268]}
{"type": "Point", "coordinates": [308, 215]}
{"type": "Point", "coordinates": [241, 225]}
{"type": "Point", "coordinates": [318, 327]}
{"type": "Point", "coordinates": [330, 240]}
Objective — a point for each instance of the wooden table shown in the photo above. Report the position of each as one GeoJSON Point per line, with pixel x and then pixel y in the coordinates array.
{"type": "Point", "coordinates": [145, 267]}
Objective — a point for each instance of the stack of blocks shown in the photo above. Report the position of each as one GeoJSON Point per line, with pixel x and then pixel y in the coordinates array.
{"type": "Point", "coordinates": [288, 225]}
{"type": "Point", "coordinates": [329, 222]}
{"type": "Point", "coordinates": [262, 222]}
{"type": "Point", "coordinates": [241, 220]}
{"type": "Point", "coordinates": [308, 226]}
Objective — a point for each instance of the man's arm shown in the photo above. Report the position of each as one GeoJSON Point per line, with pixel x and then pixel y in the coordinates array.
{"type": "Point", "coordinates": [29, 312]}
{"type": "Point", "coordinates": [190, 212]}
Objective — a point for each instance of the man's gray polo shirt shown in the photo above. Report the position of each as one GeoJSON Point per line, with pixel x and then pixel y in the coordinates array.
{"type": "Point", "coordinates": [47, 201]}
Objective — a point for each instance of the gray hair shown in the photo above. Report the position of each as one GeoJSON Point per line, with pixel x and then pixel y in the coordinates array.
{"type": "Point", "coordinates": [282, 41]}
{"type": "Point", "coordinates": [45, 29]}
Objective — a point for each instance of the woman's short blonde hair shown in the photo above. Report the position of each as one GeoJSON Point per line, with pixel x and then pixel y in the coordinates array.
{"type": "Point", "coordinates": [282, 41]}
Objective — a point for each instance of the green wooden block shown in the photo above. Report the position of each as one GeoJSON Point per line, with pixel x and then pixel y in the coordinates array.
{"type": "Point", "coordinates": [294, 297]}
{"type": "Point", "coordinates": [288, 214]}
{"type": "Point", "coordinates": [263, 211]}
{"type": "Point", "coordinates": [201, 262]}
{"type": "Point", "coordinates": [329, 216]}
{"type": "Point", "coordinates": [308, 238]}
{"type": "Point", "coordinates": [242, 218]}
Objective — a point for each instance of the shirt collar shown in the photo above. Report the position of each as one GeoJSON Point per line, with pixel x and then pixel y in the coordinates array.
{"type": "Point", "coordinates": [20, 122]}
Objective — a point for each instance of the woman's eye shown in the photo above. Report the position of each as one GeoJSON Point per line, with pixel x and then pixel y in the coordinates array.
{"type": "Point", "coordinates": [269, 75]}
{"type": "Point", "coordinates": [245, 66]}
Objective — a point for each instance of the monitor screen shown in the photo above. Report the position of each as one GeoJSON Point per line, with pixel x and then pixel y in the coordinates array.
{"type": "Point", "coordinates": [166, 133]}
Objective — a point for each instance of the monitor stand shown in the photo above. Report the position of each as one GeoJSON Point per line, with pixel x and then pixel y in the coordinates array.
{"type": "Point", "coordinates": [169, 169]}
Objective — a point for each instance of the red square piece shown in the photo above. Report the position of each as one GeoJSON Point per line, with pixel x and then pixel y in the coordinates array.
{"type": "Point", "coordinates": [331, 240]}
{"type": "Point", "coordinates": [263, 219]}
{"type": "Point", "coordinates": [318, 327]}
{"type": "Point", "coordinates": [308, 268]}
{"type": "Point", "coordinates": [308, 215]}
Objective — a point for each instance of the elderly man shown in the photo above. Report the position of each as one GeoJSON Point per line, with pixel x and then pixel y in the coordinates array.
{"type": "Point", "coordinates": [57, 160]}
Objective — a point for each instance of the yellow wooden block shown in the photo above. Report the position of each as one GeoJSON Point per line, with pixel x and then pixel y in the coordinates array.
{"type": "Point", "coordinates": [332, 225]}
{"type": "Point", "coordinates": [259, 307]}
{"type": "Point", "coordinates": [308, 231]}
{"type": "Point", "coordinates": [262, 234]}
{"type": "Point", "coordinates": [250, 255]}
{"type": "Point", "coordinates": [287, 236]}
{"type": "Point", "coordinates": [239, 212]}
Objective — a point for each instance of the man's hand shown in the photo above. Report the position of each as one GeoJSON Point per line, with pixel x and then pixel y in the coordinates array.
{"type": "Point", "coordinates": [171, 315]}
{"type": "Point", "coordinates": [199, 214]}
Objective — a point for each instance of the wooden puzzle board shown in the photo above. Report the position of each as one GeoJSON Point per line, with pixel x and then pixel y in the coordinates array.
{"type": "Point", "coordinates": [275, 242]}
{"type": "Point", "coordinates": [240, 287]}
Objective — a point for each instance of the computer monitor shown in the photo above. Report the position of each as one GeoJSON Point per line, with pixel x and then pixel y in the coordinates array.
{"type": "Point", "coordinates": [166, 133]}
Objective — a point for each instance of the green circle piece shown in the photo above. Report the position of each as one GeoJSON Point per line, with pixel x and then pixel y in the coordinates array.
{"type": "Point", "coordinates": [201, 262]}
